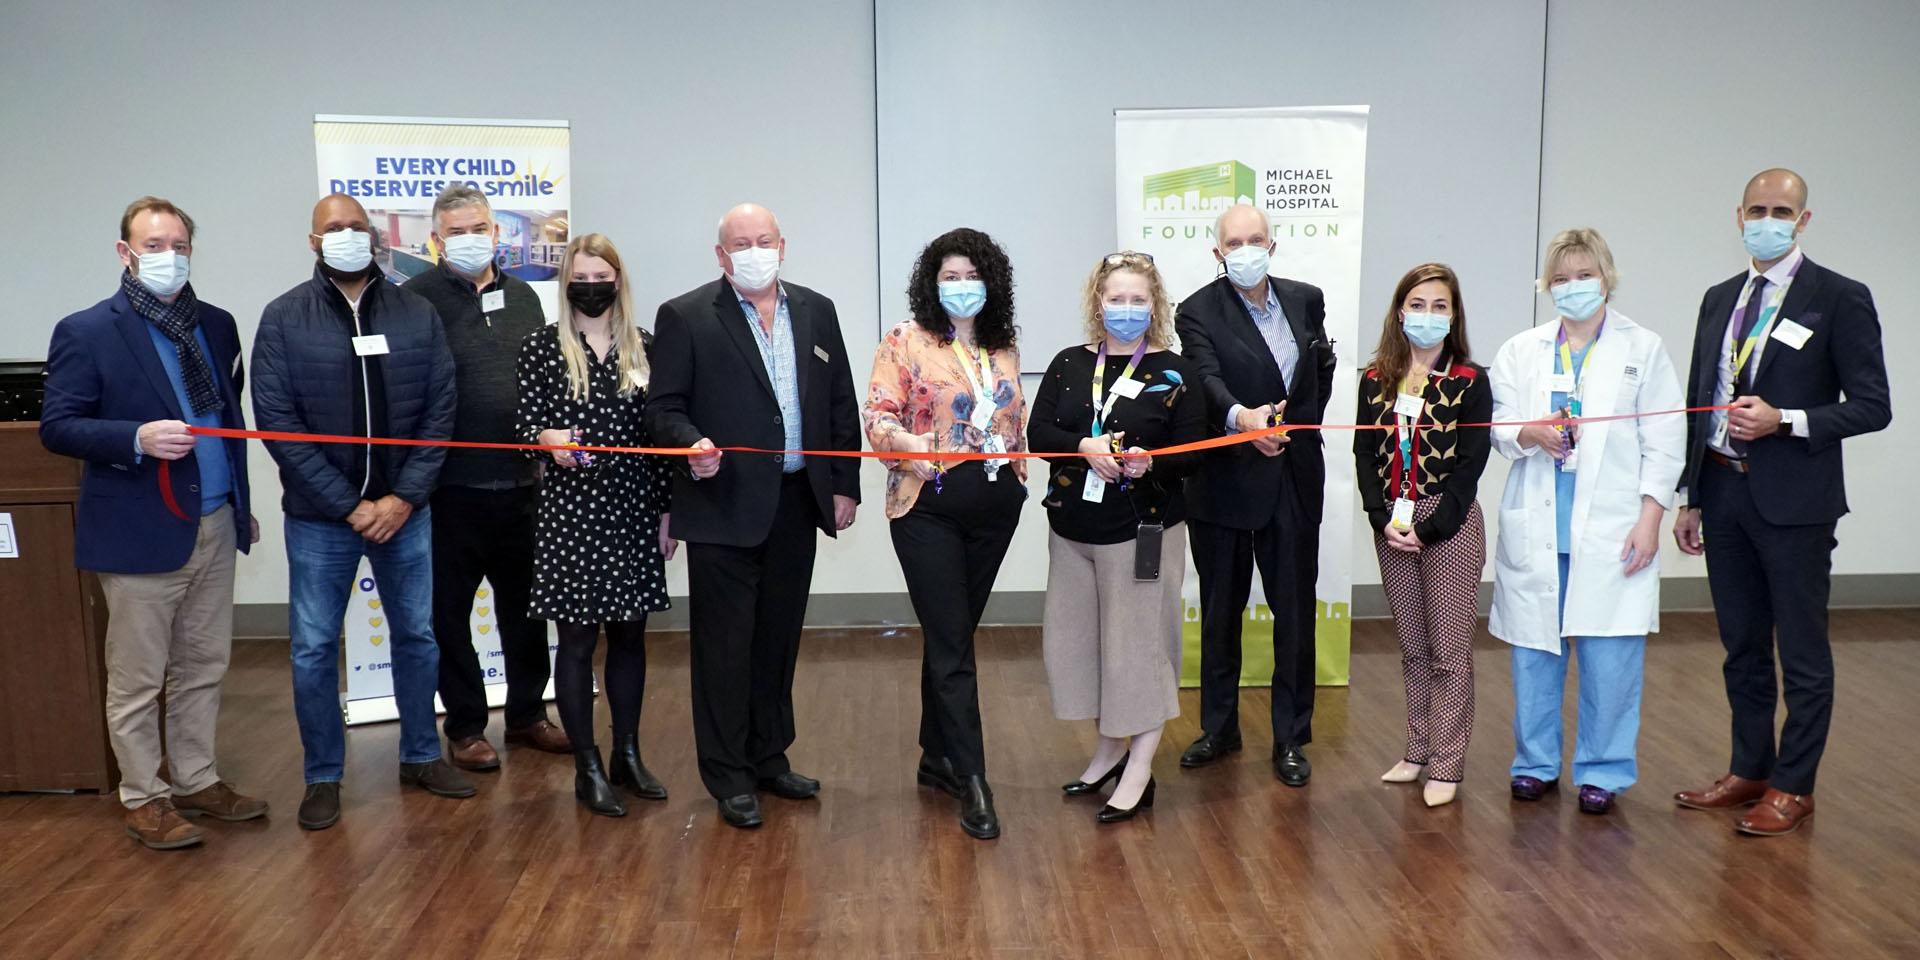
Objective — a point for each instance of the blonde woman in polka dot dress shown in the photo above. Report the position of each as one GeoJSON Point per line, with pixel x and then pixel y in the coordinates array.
{"type": "Point", "coordinates": [601, 538]}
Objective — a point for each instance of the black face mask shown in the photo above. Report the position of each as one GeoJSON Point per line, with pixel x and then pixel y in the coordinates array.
{"type": "Point", "coordinates": [591, 298]}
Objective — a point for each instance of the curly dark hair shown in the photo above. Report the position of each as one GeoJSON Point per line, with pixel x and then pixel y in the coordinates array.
{"type": "Point", "coordinates": [993, 328]}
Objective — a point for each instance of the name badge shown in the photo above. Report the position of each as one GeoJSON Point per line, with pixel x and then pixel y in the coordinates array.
{"type": "Point", "coordinates": [822, 354]}
{"type": "Point", "coordinates": [1791, 334]}
{"type": "Point", "coordinates": [371, 345]}
{"type": "Point", "coordinates": [1720, 433]}
{"type": "Point", "coordinates": [1402, 514]}
{"type": "Point", "coordinates": [1410, 405]}
{"type": "Point", "coordinates": [1129, 388]}
{"type": "Point", "coordinates": [1096, 488]}
{"type": "Point", "coordinates": [1561, 383]}
{"type": "Point", "coordinates": [493, 300]}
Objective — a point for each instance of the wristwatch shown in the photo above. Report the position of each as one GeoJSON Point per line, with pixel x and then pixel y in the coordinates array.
{"type": "Point", "coordinates": [1786, 424]}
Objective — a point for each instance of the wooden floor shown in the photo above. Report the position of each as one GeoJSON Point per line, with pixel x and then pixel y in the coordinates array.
{"type": "Point", "coordinates": [1230, 864]}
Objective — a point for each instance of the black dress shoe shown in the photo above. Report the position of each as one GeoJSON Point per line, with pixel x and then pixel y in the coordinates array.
{"type": "Point", "coordinates": [1291, 766]}
{"type": "Point", "coordinates": [1113, 814]}
{"type": "Point", "coordinates": [320, 808]}
{"type": "Point", "coordinates": [1080, 788]}
{"type": "Point", "coordinates": [590, 785]}
{"type": "Point", "coordinates": [437, 778]}
{"type": "Point", "coordinates": [742, 811]}
{"type": "Point", "coordinates": [937, 772]}
{"type": "Point", "coordinates": [1208, 748]}
{"type": "Point", "coordinates": [790, 786]}
{"type": "Point", "coordinates": [976, 810]}
{"type": "Point", "coordinates": [626, 770]}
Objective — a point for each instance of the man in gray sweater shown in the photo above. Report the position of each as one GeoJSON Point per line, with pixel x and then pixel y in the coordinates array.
{"type": "Point", "coordinates": [484, 505]}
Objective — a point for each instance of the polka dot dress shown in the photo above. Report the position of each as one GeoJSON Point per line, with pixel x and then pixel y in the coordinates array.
{"type": "Point", "coordinates": [596, 538]}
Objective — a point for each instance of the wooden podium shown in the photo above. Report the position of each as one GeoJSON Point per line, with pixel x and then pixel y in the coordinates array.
{"type": "Point", "coordinates": [53, 625]}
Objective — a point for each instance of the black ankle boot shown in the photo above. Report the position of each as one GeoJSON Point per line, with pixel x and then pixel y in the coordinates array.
{"type": "Point", "coordinates": [976, 810]}
{"type": "Point", "coordinates": [627, 770]}
{"type": "Point", "coordinates": [591, 787]}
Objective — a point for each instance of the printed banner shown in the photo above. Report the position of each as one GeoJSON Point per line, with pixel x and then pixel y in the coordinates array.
{"type": "Point", "coordinates": [395, 166]}
{"type": "Point", "coordinates": [1175, 170]}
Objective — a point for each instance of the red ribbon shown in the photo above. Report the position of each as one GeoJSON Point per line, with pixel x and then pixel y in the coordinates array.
{"type": "Point", "coordinates": [1211, 443]}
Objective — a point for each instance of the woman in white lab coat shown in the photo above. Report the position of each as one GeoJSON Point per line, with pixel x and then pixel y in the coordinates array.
{"type": "Point", "coordinates": [1578, 558]}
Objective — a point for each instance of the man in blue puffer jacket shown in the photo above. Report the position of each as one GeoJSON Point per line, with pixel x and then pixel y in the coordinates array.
{"type": "Point", "coordinates": [348, 354]}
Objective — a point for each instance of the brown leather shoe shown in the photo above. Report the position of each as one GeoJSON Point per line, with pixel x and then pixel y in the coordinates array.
{"type": "Point", "coordinates": [543, 735]}
{"type": "Point", "coordinates": [220, 802]}
{"type": "Point", "coordinates": [159, 827]}
{"type": "Point", "coordinates": [473, 753]}
{"type": "Point", "coordinates": [1725, 794]}
{"type": "Point", "coordinates": [1777, 813]}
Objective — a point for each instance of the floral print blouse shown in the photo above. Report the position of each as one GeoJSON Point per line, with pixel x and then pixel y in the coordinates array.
{"type": "Point", "coordinates": [919, 386]}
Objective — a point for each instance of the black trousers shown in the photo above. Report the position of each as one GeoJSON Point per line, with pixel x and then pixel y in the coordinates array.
{"type": "Point", "coordinates": [1770, 583]}
{"type": "Point", "coordinates": [746, 606]}
{"type": "Point", "coordinates": [486, 533]}
{"type": "Point", "coordinates": [950, 547]}
{"type": "Point", "coordinates": [1287, 553]}
{"type": "Point", "coordinates": [625, 675]}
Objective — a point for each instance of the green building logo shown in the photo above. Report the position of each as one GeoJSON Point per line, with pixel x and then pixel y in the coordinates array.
{"type": "Point", "coordinates": [1204, 190]}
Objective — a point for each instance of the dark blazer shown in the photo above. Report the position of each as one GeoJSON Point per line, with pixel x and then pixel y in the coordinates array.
{"type": "Point", "coordinates": [103, 381]}
{"type": "Point", "coordinates": [1795, 481]}
{"type": "Point", "coordinates": [304, 382]}
{"type": "Point", "coordinates": [1237, 487]}
{"type": "Point", "coordinates": [709, 381]}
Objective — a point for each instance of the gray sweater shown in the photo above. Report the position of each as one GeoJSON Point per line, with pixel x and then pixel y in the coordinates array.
{"type": "Point", "coordinates": [484, 348]}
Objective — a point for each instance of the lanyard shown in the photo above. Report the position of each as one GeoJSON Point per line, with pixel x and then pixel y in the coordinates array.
{"type": "Point", "coordinates": [982, 387]}
{"type": "Point", "coordinates": [1101, 410]}
{"type": "Point", "coordinates": [1409, 447]}
{"type": "Point", "coordinates": [1566, 364]}
{"type": "Point", "coordinates": [1775, 296]}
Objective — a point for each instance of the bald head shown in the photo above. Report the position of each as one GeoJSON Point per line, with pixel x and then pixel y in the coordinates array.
{"type": "Point", "coordinates": [1239, 225]}
{"type": "Point", "coordinates": [748, 225]}
{"type": "Point", "coordinates": [337, 211]}
{"type": "Point", "coordinates": [1778, 183]}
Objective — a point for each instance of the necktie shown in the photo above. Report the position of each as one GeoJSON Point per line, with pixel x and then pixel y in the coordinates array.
{"type": "Point", "coordinates": [1743, 381]}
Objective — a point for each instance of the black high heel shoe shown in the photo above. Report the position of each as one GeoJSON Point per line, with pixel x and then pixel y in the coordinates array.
{"type": "Point", "coordinates": [1113, 814]}
{"type": "Point", "coordinates": [1080, 788]}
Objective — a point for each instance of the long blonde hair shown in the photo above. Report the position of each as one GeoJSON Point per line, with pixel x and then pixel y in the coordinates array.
{"type": "Point", "coordinates": [632, 372]}
{"type": "Point", "coordinates": [1092, 298]}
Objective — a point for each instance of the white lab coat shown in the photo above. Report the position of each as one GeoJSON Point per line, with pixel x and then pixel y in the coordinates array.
{"type": "Point", "coordinates": [1618, 463]}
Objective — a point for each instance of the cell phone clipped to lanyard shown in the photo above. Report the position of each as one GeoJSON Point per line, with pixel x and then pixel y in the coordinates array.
{"type": "Point", "coordinates": [1146, 552]}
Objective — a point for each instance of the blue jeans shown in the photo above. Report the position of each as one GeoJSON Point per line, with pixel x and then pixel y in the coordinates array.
{"type": "Point", "coordinates": [322, 558]}
{"type": "Point", "coordinates": [1611, 669]}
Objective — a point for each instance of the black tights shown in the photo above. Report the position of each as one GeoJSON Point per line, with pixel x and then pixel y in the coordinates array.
{"type": "Point", "coordinates": [625, 675]}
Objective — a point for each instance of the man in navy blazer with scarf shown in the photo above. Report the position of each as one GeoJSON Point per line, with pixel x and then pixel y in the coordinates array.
{"type": "Point", "coordinates": [161, 513]}
{"type": "Point", "coordinates": [1795, 349]}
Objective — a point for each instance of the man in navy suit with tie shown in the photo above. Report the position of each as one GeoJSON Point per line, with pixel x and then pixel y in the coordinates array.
{"type": "Point", "coordinates": [161, 513]}
{"type": "Point", "coordinates": [1794, 348]}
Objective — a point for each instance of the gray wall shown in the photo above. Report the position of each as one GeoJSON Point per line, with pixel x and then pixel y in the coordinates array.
{"type": "Point", "coordinates": [996, 114]}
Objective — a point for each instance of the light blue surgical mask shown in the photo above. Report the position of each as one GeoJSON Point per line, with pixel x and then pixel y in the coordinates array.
{"type": "Point", "coordinates": [1127, 322]}
{"type": "Point", "coordinates": [1768, 238]}
{"type": "Point", "coordinates": [963, 298]}
{"type": "Point", "coordinates": [1425, 330]}
{"type": "Point", "coordinates": [163, 273]}
{"type": "Point", "coordinates": [348, 251]}
{"type": "Point", "coordinates": [469, 253]}
{"type": "Point", "coordinates": [1578, 299]}
{"type": "Point", "coordinates": [1247, 266]}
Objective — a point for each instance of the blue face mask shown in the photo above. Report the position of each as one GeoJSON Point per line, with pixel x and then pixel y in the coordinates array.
{"type": "Point", "coordinates": [1768, 238]}
{"type": "Point", "coordinates": [1127, 322]}
{"type": "Point", "coordinates": [1578, 299]}
{"type": "Point", "coordinates": [1425, 330]}
{"type": "Point", "coordinates": [963, 298]}
{"type": "Point", "coordinates": [470, 253]}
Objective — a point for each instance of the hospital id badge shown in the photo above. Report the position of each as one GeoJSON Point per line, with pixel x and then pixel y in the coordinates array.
{"type": "Point", "coordinates": [1402, 514]}
{"type": "Point", "coordinates": [1096, 488]}
{"type": "Point", "coordinates": [1720, 433]}
{"type": "Point", "coordinates": [994, 444]}
{"type": "Point", "coordinates": [1561, 383]}
{"type": "Point", "coordinates": [1572, 462]}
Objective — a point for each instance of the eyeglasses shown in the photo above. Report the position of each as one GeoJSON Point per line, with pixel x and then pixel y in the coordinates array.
{"type": "Point", "coordinates": [1123, 257]}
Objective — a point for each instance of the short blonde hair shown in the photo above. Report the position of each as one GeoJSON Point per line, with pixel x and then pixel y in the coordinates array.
{"type": "Point", "coordinates": [1579, 240]}
{"type": "Point", "coordinates": [1159, 329]}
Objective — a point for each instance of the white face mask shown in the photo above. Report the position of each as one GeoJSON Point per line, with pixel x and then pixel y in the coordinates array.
{"type": "Point", "coordinates": [754, 268]}
{"type": "Point", "coordinates": [1247, 266]}
{"type": "Point", "coordinates": [163, 273]}
{"type": "Point", "coordinates": [348, 251]}
{"type": "Point", "coordinates": [469, 253]}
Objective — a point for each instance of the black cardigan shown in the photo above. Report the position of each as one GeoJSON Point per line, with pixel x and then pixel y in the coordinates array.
{"type": "Point", "coordinates": [1449, 458]}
